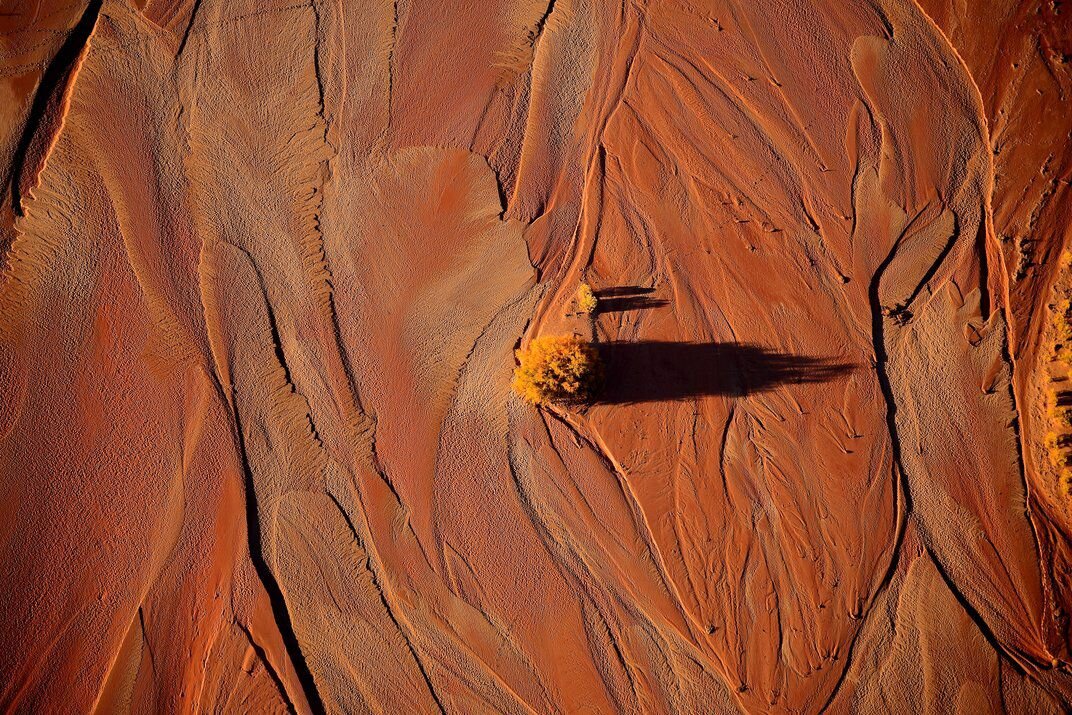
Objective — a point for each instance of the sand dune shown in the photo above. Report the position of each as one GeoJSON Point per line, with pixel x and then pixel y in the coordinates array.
{"type": "Point", "coordinates": [265, 266]}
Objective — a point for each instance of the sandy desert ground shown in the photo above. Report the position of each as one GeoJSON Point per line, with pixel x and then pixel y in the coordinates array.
{"type": "Point", "coordinates": [264, 266]}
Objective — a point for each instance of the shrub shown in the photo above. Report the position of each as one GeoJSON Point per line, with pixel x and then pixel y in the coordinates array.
{"type": "Point", "coordinates": [1062, 417]}
{"type": "Point", "coordinates": [1058, 404]}
{"type": "Point", "coordinates": [561, 368]}
{"type": "Point", "coordinates": [1062, 327]}
{"type": "Point", "coordinates": [586, 299]}
{"type": "Point", "coordinates": [1064, 481]}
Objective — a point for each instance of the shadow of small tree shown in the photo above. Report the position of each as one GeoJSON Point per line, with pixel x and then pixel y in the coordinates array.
{"type": "Point", "coordinates": [618, 299]}
{"type": "Point", "coordinates": [656, 371]}
{"type": "Point", "coordinates": [624, 303]}
{"type": "Point", "coordinates": [623, 291]}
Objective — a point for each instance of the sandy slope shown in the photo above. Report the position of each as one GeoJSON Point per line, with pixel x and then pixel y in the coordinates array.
{"type": "Point", "coordinates": [264, 268]}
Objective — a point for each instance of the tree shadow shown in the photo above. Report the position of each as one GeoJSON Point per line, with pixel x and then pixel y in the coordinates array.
{"type": "Point", "coordinates": [656, 371]}
{"type": "Point", "coordinates": [639, 302]}
{"type": "Point", "coordinates": [620, 291]}
{"type": "Point", "coordinates": [618, 299]}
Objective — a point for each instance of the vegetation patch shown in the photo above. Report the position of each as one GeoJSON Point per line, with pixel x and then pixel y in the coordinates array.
{"type": "Point", "coordinates": [587, 302]}
{"type": "Point", "coordinates": [557, 369]}
{"type": "Point", "coordinates": [1058, 439]}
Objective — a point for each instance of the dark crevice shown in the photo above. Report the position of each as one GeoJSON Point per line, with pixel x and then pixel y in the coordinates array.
{"type": "Point", "coordinates": [1015, 658]}
{"type": "Point", "coordinates": [49, 88]}
{"type": "Point", "coordinates": [268, 667]}
{"type": "Point", "coordinates": [500, 188]}
{"type": "Point", "coordinates": [881, 358]}
{"type": "Point", "coordinates": [189, 28]}
{"type": "Point", "coordinates": [260, 566]}
{"type": "Point", "coordinates": [391, 70]}
{"type": "Point", "coordinates": [277, 341]}
{"type": "Point", "coordinates": [387, 607]}
{"type": "Point", "coordinates": [377, 465]}
{"type": "Point", "coordinates": [273, 325]}
{"type": "Point", "coordinates": [522, 113]}
{"type": "Point", "coordinates": [253, 527]}
{"type": "Point", "coordinates": [887, 26]}
{"type": "Point", "coordinates": [942, 255]}
{"type": "Point", "coordinates": [317, 71]}
{"type": "Point", "coordinates": [984, 273]}
{"type": "Point", "coordinates": [271, 585]}
{"type": "Point", "coordinates": [878, 336]}
{"type": "Point", "coordinates": [336, 328]}
{"type": "Point", "coordinates": [537, 30]}
{"type": "Point", "coordinates": [145, 638]}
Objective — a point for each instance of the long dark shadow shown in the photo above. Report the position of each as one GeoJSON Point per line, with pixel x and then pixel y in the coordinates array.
{"type": "Point", "coordinates": [617, 291]}
{"type": "Point", "coordinates": [49, 87]}
{"type": "Point", "coordinates": [638, 302]}
{"type": "Point", "coordinates": [657, 371]}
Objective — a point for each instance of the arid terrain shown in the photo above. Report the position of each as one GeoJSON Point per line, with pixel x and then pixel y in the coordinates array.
{"type": "Point", "coordinates": [264, 266]}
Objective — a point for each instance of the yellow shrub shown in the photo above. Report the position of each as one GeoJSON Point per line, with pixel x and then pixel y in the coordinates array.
{"type": "Point", "coordinates": [1064, 481]}
{"type": "Point", "coordinates": [561, 368]}
{"type": "Point", "coordinates": [586, 299]}
{"type": "Point", "coordinates": [1057, 412]}
{"type": "Point", "coordinates": [1063, 417]}
{"type": "Point", "coordinates": [1062, 328]}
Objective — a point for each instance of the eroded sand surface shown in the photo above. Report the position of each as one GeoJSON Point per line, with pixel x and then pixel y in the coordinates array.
{"type": "Point", "coordinates": [265, 265]}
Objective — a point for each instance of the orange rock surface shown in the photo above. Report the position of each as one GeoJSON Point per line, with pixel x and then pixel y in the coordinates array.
{"type": "Point", "coordinates": [264, 267]}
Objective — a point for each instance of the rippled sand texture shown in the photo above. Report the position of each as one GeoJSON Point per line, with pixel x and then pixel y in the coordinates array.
{"type": "Point", "coordinates": [264, 268]}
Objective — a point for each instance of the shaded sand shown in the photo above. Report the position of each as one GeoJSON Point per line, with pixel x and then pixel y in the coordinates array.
{"type": "Point", "coordinates": [264, 267]}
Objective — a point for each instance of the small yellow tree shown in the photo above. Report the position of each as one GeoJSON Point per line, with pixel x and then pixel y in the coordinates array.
{"type": "Point", "coordinates": [1064, 482]}
{"type": "Point", "coordinates": [1062, 327]}
{"type": "Point", "coordinates": [561, 368]}
{"type": "Point", "coordinates": [586, 299]}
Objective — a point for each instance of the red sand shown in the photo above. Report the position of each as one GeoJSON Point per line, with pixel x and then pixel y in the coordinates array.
{"type": "Point", "coordinates": [265, 266]}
